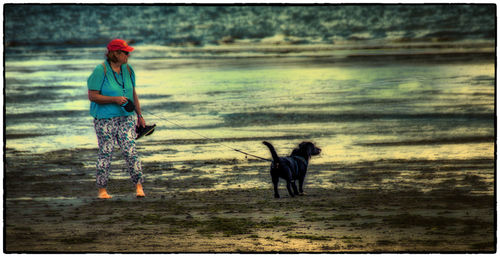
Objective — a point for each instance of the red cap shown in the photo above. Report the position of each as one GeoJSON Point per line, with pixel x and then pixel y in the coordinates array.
{"type": "Point", "coordinates": [119, 44]}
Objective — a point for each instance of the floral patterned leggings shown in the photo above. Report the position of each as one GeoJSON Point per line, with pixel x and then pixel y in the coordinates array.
{"type": "Point", "coordinates": [119, 130]}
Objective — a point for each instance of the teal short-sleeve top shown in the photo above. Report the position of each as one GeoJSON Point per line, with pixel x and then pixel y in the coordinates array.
{"type": "Point", "coordinates": [111, 84]}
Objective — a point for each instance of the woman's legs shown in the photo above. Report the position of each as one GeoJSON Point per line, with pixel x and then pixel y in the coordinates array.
{"type": "Point", "coordinates": [104, 129]}
{"type": "Point", "coordinates": [126, 139]}
{"type": "Point", "coordinates": [121, 129]}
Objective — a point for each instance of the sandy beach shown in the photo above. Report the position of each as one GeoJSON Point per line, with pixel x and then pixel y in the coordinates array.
{"type": "Point", "coordinates": [58, 211]}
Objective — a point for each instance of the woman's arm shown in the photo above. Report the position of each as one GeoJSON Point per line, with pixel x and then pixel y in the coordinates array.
{"type": "Point", "coordinates": [96, 97]}
{"type": "Point", "coordinates": [140, 119]}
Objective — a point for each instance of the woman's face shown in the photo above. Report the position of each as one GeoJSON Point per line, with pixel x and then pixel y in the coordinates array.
{"type": "Point", "coordinates": [118, 56]}
{"type": "Point", "coordinates": [122, 56]}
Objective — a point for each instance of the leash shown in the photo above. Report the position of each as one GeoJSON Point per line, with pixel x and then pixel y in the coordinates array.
{"type": "Point", "coordinates": [203, 136]}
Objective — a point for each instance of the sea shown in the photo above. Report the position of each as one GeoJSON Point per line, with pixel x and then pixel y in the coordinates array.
{"type": "Point", "coordinates": [363, 82]}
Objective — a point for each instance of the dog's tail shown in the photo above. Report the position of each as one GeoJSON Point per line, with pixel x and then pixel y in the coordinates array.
{"type": "Point", "coordinates": [273, 152]}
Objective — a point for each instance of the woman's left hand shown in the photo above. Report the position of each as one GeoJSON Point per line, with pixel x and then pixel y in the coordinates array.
{"type": "Point", "coordinates": [141, 121]}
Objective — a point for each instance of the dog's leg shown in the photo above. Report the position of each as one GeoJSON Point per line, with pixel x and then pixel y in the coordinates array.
{"type": "Point", "coordinates": [301, 184]}
{"type": "Point", "coordinates": [276, 179]}
{"type": "Point", "coordinates": [289, 178]}
{"type": "Point", "coordinates": [289, 188]}
{"type": "Point", "coordinates": [294, 187]}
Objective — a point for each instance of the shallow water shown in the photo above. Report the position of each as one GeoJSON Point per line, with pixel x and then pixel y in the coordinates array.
{"type": "Point", "coordinates": [356, 112]}
{"type": "Point", "coordinates": [346, 109]}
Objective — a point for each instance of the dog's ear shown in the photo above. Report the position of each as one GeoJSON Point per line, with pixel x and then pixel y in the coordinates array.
{"type": "Point", "coordinates": [306, 144]}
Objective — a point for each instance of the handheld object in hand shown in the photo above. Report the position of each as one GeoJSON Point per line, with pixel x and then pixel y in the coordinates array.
{"type": "Point", "coordinates": [129, 106]}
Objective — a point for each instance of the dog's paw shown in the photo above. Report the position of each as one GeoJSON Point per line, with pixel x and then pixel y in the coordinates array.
{"type": "Point", "coordinates": [276, 196]}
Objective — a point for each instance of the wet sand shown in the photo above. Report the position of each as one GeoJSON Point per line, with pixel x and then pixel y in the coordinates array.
{"type": "Point", "coordinates": [447, 207]}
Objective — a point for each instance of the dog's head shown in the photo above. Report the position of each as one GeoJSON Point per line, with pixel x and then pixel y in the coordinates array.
{"type": "Point", "coordinates": [307, 149]}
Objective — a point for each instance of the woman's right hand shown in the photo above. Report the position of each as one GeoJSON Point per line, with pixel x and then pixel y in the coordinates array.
{"type": "Point", "coordinates": [120, 100]}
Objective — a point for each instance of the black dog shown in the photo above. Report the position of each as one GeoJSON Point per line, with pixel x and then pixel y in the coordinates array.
{"type": "Point", "coordinates": [292, 167]}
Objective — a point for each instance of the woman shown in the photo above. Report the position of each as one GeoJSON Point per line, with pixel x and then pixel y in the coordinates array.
{"type": "Point", "coordinates": [109, 87]}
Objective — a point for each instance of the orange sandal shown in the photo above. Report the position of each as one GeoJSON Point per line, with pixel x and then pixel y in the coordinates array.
{"type": "Point", "coordinates": [103, 194]}
{"type": "Point", "coordinates": [139, 190]}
